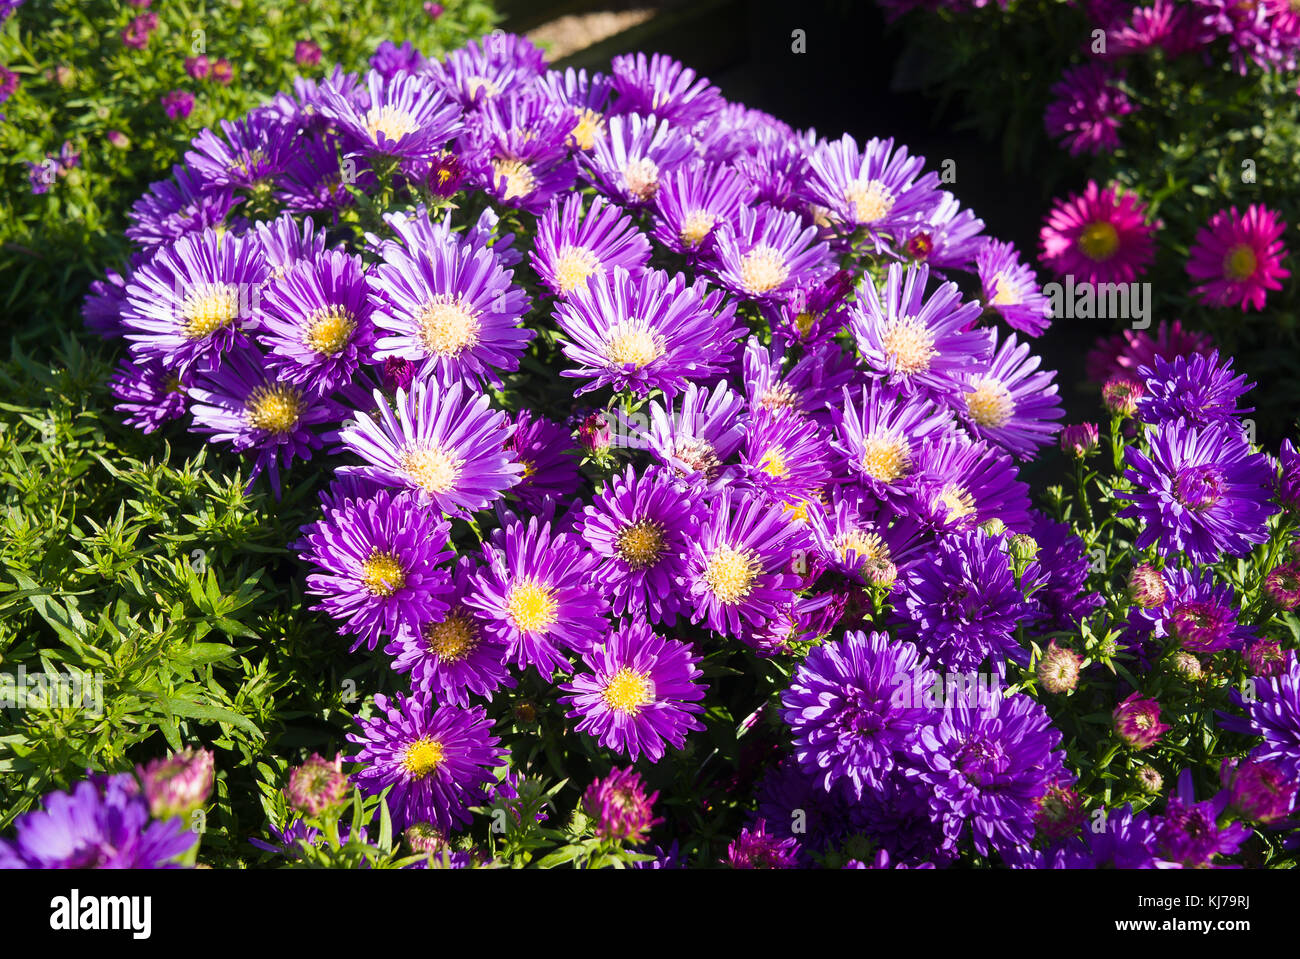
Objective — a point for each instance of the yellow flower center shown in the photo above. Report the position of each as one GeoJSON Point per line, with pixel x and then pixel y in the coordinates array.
{"type": "Point", "coordinates": [274, 408]}
{"type": "Point", "coordinates": [627, 691]}
{"type": "Point", "coordinates": [1099, 241]}
{"type": "Point", "coordinates": [640, 544]}
{"type": "Point", "coordinates": [762, 269]}
{"type": "Point", "coordinates": [328, 330]}
{"type": "Point", "coordinates": [474, 84]}
{"type": "Point", "coordinates": [431, 468]}
{"type": "Point", "coordinates": [448, 325]}
{"type": "Point", "coordinates": [780, 396]}
{"type": "Point", "coordinates": [382, 574]}
{"type": "Point", "coordinates": [531, 606]}
{"type": "Point", "coordinates": [990, 403]}
{"type": "Point", "coordinates": [390, 121]}
{"type": "Point", "coordinates": [865, 545]}
{"type": "Point", "coordinates": [730, 573]}
{"type": "Point", "coordinates": [520, 180]}
{"type": "Point", "coordinates": [871, 200]}
{"type": "Point", "coordinates": [453, 639]}
{"type": "Point", "coordinates": [209, 308]}
{"type": "Point", "coordinates": [1240, 263]}
{"type": "Point", "coordinates": [957, 500]}
{"type": "Point", "coordinates": [642, 178]}
{"type": "Point", "coordinates": [422, 757]}
{"type": "Point", "coordinates": [910, 344]}
{"type": "Point", "coordinates": [885, 458]}
{"type": "Point", "coordinates": [698, 454]}
{"type": "Point", "coordinates": [773, 463]}
{"type": "Point", "coordinates": [696, 226]}
{"type": "Point", "coordinates": [633, 343]}
{"type": "Point", "coordinates": [590, 126]}
{"type": "Point", "coordinates": [1007, 291]}
{"type": "Point", "coordinates": [573, 266]}
{"type": "Point", "coordinates": [803, 322]}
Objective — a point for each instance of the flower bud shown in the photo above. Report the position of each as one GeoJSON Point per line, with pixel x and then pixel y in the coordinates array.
{"type": "Point", "coordinates": [1080, 439]}
{"type": "Point", "coordinates": [1058, 670]}
{"type": "Point", "coordinates": [1137, 721]}
{"type": "Point", "coordinates": [1149, 780]}
{"type": "Point", "coordinates": [1121, 395]}
{"type": "Point", "coordinates": [1282, 587]}
{"type": "Point", "coordinates": [179, 784]}
{"type": "Point", "coordinates": [1147, 586]}
{"type": "Point", "coordinates": [1186, 666]}
{"type": "Point", "coordinates": [317, 786]}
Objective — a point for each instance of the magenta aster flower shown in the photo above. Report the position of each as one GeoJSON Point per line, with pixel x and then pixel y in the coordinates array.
{"type": "Point", "coordinates": [378, 560]}
{"type": "Point", "coordinates": [641, 693]}
{"type": "Point", "coordinates": [1080, 439]}
{"type": "Point", "coordinates": [1238, 257]}
{"type": "Point", "coordinates": [620, 807]}
{"type": "Point", "coordinates": [1101, 236]}
{"type": "Point", "coordinates": [756, 848]}
{"type": "Point", "coordinates": [766, 253]}
{"type": "Point", "coordinates": [437, 759]}
{"type": "Point", "coordinates": [1189, 833]}
{"type": "Point", "coordinates": [1010, 402]}
{"type": "Point", "coordinates": [1088, 105]}
{"type": "Point", "coordinates": [1137, 721]}
{"type": "Point", "coordinates": [1011, 290]}
{"type": "Point", "coordinates": [571, 248]}
{"type": "Point", "coordinates": [447, 444]}
{"type": "Point", "coordinates": [178, 104]}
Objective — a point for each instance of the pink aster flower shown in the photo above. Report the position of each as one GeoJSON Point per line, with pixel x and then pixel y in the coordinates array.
{"type": "Point", "coordinates": [1238, 257]}
{"type": "Point", "coordinates": [1087, 108]}
{"type": "Point", "coordinates": [1101, 236]}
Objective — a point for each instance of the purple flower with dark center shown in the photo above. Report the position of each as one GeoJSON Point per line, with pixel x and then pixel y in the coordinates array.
{"type": "Point", "coordinates": [1189, 834]}
{"type": "Point", "coordinates": [641, 693]}
{"type": "Point", "coordinates": [850, 709]}
{"type": "Point", "coordinates": [251, 155]}
{"type": "Point", "coordinates": [875, 187]}
{"type": "Point", "coordinates": [1197, 388]}
{"type": "Point", "coordinates": [437, 759]}
{"type": "Point", "coordinates": [1272, 712]}
{"type": "Point", "coordinates": [1137, 721]}
{"type": "Point", "coordinates": [148, 393]}
{"type": "Point", "coordinates": [620, 807]}
{"type": "Point", "coordinates": [662, 87]}
{"type": "Point", "coordinates": [544, 448]}
{"type": "Point", "coordinates": [1197, 613]}
{"type": "Point", "coordinates": [1087, 109]}
{"type": "Point", "coordinates": [641, 528]}
{"type": "Point", "coordinates": [628, 163]}
{"type": "Point", "coordinates": [756, 848]}
{"type": "Point", "coordinates": [945, 238]}
{"type": "Point", "coordinates": [692, 201]}
{"type": "Point", "coordinates": [571, 247]}
{"type": "Point", "coordinates": [378, 563]}
{"type": "Point", "coordinates": [765, 253]}
{"type": "Point", "coordinates": [1011, 290]}
{"type": "Point", "coordinates": [1199, 492]}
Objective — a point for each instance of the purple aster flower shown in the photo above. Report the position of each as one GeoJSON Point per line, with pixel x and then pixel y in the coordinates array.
{"type": "Point", "coordinates": [736, 569]}
{"type": "Point", "coordinates": [178, 104]}
{"type": "Point", "coordinates": [448, 444]}
{"type": "Point", "coordinates": [315, 320]}
{"type": "Point", "coordinates": [766, 253]}
{"type": "Point", "coordinates": [190, 303]}
{"type": "Point", "coordinates": [988, 767]}
{"type": "Point", "coordinates": [587, 98]}
{"type": "Point", "coordinates": [1009, 402]}
{"type": "Point", "coordinates": [488, 68]}
{"type": "Point", "coordinates": [389, 59]}
{"type": "Point", "coordinates": [776, 167]}
{"type": "Point", "coordinates": [793, 805]}
{"type": "Point", "coordinates": [1088, 105]}
{"type": "Point", "coordinates": [148, 393]}
{"type": "Point", "coordinates": [875, 187]}
{"type": "Point", "coordinates": [102, 308]}
{"type": "Point", "coordinates": [811, 314]}
{"type": "Point", "coordinates": [915, 342]}
{"type": "Point", "coordinates": [286, 241]}
{"type": "Point", "coordinates": [544, 448]}
{"type": "Point", "coordinates": [662, 87]}
{"type": "Point", "coordinates": [756, 848]}
{"type": "Point", "coordinates": [437, 759]}
{"type": "Point", "coordinates": [568, 250]}
{"type": "Point", "coordinates": [1125, 840]}
{"type": "Point", "coordinates": [9, 81]}
{"type": "Point", "coordinates": [699, 438]}
{"type": "Point", "coordinates": [1288, 476]}
{"type": "Point", "coordinates": [102, 825]}
{"type": "Point", "coordinates": [878, 438]}
{"type": "Point", "coordinates": [1199, 492]}
{"type": "Point", "coordinates": [844, 708]}
{"type": "Point", "coordinates": [452, 308]}
{"type": "Point", "coordinates": [785, 455]}
{"type": "Point", "coordinates": [1258, 790]}
{"type": "Point", "coordinates": [873, 550]}
{"type": "Point", "coordinates": [811, 386]}
{"type": "Point", "coordinates": [253, 152]}
{"type": "Point", "coordinates": [1196, 613]}
{"type": "Point", "coordinates": [651, 331]}
{"type": "Point", "coordinates": [946, 237]}
{"type": "Point", "coordinates": [1011, 290]}
{"type": "Point", "coordinates": [960, 485]}
{"type": "Point", "coordinates": [315, 178]}
{"type": "Point", "coordinates": [406, 116]}
{"type": "Point", "coordinates": [641, 693]}
{"type": "Point", "coordinates": [517, 150]}
{"type": "Point", "coordinates": [450, 654]}
{"type": "Point", "coordinates": [641, 528]}
{"type": "Point", "coordinates": [629, 162]}
{"type": "Point", "coordinates": [1188, 833]}
{"type": "Point", "coordinates": [1273, 713]}
{"type": "Point", "coordinates": [620, 807]}
{"type": "Point", "coordinates": [1197, 388]}
{"type": "Point", "coordinates": [173, 208]}
{"type": "Point", "coordinates": [1137, 721]}
{"type": "Point", "coordinates": [962, 608]}
{"type": "Point", "coordinates": [692, 201]}
{"type": "Point", "coordinates": [242, 403]}
{"type": "Point", "coordinates": [378, 562]}
{"type": "Point", "coordinates": [535, 591]}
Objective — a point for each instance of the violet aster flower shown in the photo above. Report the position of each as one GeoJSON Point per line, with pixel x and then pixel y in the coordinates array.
{"type": "Point", "coordinates": [191, 302]}
{"type": "Point", "coordinates": [1197, 614]}
{"type": "Point", "coordinates": [776, 168]}
{"type": "Point", "coordinates": [103, 825]}
{"type": "Point", "coordinates": [250, 155]}
{"type": "Point", "coordinates": [1199, 492]}
{"type": "Point", "coordinates": [488, 68]}
{"type": "Point", "coordinates": [242, 403]}
{"type": "Point", "coordinates": [315, 320]}
{"type": "Point", "coordinates": [765, 253]}
{"type": "Point", "coordinates": [812, 386]}
{"type": "Point", "coordinates": [178, 104]}
{"type": "Point", "coordinates": [148, 393]}
{"type": "Point", "coordinates": [1087, 108]}
{"type": "Point", "coordinates": [875, 550]}
{"type": "Point", "coordinates": [620, 807]}
{"type": "Point", "coordinates": [735, 570]}
{"type": "Point", "coordinates": [790, 799]}
{"type": "Point", "coordinates": [287, 240]}
{"type": "Point", "coordinates": [1189, 834]}
{"type": "Point", "coordinates": [1137, 721]}
{"type": "Point", "coordinates": [987, 768]}
{"type": "Point", "coordinates": [812, 313]}
{"type": "Point", "coordinates": [960, 484]}
{"type": "Point", "coordinates": [1062, 600]}
{"type": "Point", "coordinates": [378, 565]}
{"type": "Point", "coordinates": [651, 331]}
{"type": "Point", "coordinates": [641, 693]}
{"type": "Point", "coordinates": [850, 709]}
{"type": "Point", "coordinates": [544, 448]}
{"type": "Point", "coordinates": [569, 251]}
{"type": "Point", "coordinates": [877, 187]}
{"type": "Point", "coordinates": [1288, 476]}
{"type": "Point", "coordinates": [945, 238]}
{"type": "Point", "coordinates": [1009, 402]}
{"type": "Point", "coordinates": [628, 162]}
{"type": "Point", "coordinates": [407, 116]}
{"type": "Point", "coordinates": [1273, 713]}
{"type": "Point", "coordinates": [1099, 236]}
{"type": "Point", "coordinates": [963, 606]}
{"type": "Point", "coordinates": [1258, 790]}
{"type": "Point", "coordinates": [389, 59]}
{"type": "Point", "coordinates": [437, 759]}
{"type": "Point", "coordinates": [756, 848]}
{"type": "Point", "coordinates": [662, 87]}
{"type": "Point", "coordinates": [1238, 257]}
{"type": "Point", "coordinates": [697, 439]}
{"type": "Point", "coordinates": [785, 456]}
{"type": "Point", "coordinates": [587, 98]}
{"type": "Point", "coordinates": [517, 150]}
{"type": "Point", "coordinates": [692, 201]}
{"type": "Point", "coordinates": [316, 178]}
{"type": "Point", "coordinates": [451, 308]}
{"type": "Point", "coordinates": [1198, 388]}
{"type": "Point", "coordinates": [913, 341]}
{"type": "Point", "coordinates": [1127, 840]}
{"type": "Point", "coordinates": [641, 528]}
{"type": "Point", "coordinates": [1011, 290]}
{"type": "Point", "coordinates": [878, 437]}
{"type": "Point", "coordinates": [450, 654]}
{"type": "Point", "coordinates": [535, 591]}
{"type": "Point", "coordinates": [172, 208]}
{"type": "Point", "coordinates": [448, 444]}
